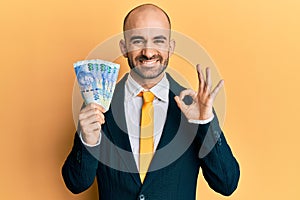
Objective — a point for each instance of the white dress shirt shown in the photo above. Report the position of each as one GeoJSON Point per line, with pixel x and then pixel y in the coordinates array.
{"type": "Point", "coordinates": [133, 107]}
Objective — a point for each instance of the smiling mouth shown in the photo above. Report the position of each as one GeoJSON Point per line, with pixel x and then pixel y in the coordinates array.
{"type": "Point", "coordinates": [149, 62]}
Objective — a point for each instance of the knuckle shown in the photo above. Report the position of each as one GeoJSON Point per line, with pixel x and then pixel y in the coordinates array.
{"type": "Point", "coordinates": [80, 116]}
{"type": "Point", "coordinates": [81, 123]}
{"type": "Point", "coordinates": [96, 111]}
{"type": "Point", "coordinates": [92, 105]}
{"type": "Point", "coordinates": [101, 115]}
{"type": "Point", "coordinates": [98, 117]}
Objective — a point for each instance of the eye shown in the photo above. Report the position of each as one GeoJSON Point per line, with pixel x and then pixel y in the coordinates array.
{"type": "Point", "coordinates": [159, 41]}
{"type": "Point", "coordinates": [138, 41]}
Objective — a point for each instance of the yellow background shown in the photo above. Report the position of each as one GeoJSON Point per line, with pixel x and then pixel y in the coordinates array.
{"type": "Point", "coordinates": [255, 45]}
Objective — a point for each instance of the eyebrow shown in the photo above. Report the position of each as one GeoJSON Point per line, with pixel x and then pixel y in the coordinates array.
{"type": "Point", "coordinates": [136, 38]}
{"type": "Point", "coordinates": [160, 37]}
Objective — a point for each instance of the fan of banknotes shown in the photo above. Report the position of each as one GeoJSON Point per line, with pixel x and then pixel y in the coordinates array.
{"type": "Point", "coordinates": [97, 80]}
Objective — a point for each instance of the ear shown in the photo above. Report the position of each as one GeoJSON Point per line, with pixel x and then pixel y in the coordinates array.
{"type": "Point", "coordinates": [172, 46]}
{"type": "Point", "coordinates": [123, 48]}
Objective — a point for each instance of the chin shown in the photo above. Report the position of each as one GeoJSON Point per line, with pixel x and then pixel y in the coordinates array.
{"type": "Point", "coordinates": [150, 73]}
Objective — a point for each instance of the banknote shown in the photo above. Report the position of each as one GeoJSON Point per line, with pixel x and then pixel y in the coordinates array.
{"type": "Point", "coordinates": [97, 80]}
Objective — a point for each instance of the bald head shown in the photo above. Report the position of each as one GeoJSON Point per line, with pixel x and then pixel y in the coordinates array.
{"type": "Point", "coordinates": [146, 16]}
{"type": "Point", "coordinates": [147, 44]}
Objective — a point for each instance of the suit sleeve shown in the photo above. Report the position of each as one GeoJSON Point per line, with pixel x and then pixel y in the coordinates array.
{"type": "Point", "coordinates": [219, 167]}
{"type": "Point", "coordinates": [79, 169]}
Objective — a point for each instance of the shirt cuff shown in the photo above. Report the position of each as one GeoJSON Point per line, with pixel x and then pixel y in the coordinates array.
{"type": "Point", "coordinates": [90, 145]}
{"type": "Point", "coordinates": [197, 121]}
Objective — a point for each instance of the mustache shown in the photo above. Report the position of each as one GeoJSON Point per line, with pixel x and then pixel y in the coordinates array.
{"type": "Point", "coordinates": [143, 57]}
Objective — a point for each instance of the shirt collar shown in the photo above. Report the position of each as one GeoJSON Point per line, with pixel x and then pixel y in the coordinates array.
{"type": "Point", "coordinates": [160, 90]}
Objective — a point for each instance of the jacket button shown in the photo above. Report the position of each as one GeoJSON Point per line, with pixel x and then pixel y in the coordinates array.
{"type": "Point", "coordinates": [218, 137]}
{"type": "Point", "coordinates": [141, 197]}
{"type": "Point", "coordinates": [78, 156]}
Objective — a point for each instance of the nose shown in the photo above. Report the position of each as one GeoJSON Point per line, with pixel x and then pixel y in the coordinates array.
{"type": "Point", "coordinates": [149, 52]}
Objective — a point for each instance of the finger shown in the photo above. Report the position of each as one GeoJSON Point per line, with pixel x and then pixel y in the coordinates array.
{"type": "Point", "coordinates": [208, 78]}
{"type": "Point", "coordinates": [95, 126]}
{"type": "Point", "coordinates": [217, 88]}
{"type": "Point", "coordinates": [92, 128]}
{"type": "Point", "coordinates": [93, 119]}
{"type": "Point", "coordinates": [200, 78]}
{"type": "Point", "coordinates": [87, 113]}
{"type": "Point", "coordinates": [88, 107]}
{"type": "Point", "coordinates": [91, 106]}
{"type": "Point", "coordinates": [178, 102]}
{"type": "Point", "coordinates": [181, 105]}
{"type": "Point", "coordinates": [188, 92]}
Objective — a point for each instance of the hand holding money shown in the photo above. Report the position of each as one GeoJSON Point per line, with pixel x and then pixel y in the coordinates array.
{"type": "Point", "coordinates": [96, 80]}
{"type": "Point", "coordinates": [90, 119]}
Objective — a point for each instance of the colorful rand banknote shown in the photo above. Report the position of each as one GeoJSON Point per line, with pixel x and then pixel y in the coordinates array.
{"type": "Point", "coordinates": [97, 80]}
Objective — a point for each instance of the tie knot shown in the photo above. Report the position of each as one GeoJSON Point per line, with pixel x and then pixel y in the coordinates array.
{"type": "Point", "coordinates": [147, 96]}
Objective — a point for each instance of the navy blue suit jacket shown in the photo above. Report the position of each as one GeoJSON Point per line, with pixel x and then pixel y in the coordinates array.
{"type": "Point", "coordinates": [184, 148]}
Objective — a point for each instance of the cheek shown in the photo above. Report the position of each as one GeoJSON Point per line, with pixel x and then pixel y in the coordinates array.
{"type": "Point", "coordinates": [165, 55]}
{"type": "Point", "coordinates": [133, 55]}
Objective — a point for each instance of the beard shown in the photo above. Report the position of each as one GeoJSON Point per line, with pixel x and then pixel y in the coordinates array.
{"type": "Point", "coordinates": [147, 73]}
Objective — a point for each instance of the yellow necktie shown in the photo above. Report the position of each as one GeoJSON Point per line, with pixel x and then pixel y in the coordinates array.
{"type": "Point", "coordinates": [146, 134]}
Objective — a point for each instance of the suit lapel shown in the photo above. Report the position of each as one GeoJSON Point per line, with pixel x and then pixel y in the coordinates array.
{"type": "Point", "coordinates": [118, 130]}
{"type": "Point", "coordinates": [173, 114]}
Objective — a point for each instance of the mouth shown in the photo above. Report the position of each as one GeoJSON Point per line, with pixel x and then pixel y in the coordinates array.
{"type": "Point", "coordinates": [149, 62]}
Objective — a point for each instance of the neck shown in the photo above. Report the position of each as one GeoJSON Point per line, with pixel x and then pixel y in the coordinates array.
{"type": "Point", "coordinates": [146, 83]}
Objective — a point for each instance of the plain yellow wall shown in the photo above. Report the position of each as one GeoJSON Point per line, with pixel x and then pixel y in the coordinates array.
{"type": "Point", "coordinates": [255, 45]}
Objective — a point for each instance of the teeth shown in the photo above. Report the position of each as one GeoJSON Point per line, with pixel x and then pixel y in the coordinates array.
{"type": "Point", "coordinates": [149, 62]}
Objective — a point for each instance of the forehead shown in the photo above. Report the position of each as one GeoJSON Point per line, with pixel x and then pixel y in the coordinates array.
{"type": "Point", "coordinates": [146, 17]}
{"type": "Point", "coordinates": [147, 33]}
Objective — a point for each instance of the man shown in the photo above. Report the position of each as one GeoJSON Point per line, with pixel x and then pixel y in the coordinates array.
{"type": "Point", "coordinates": [185, 133]}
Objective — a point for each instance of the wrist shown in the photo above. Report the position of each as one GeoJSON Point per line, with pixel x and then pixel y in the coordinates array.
{"type": "Point", "coordinates": [92, 140]}
{"type": "Point", "coordinates": [206, 115]}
